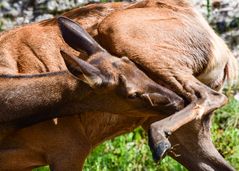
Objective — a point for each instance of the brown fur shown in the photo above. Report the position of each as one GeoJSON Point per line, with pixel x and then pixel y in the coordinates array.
{"type": "Point", "coordinates": [175, 45]}
{"type": "Point", "coordinates": [102, 81]}
{"type": "Point", "coordinates": [164, 33]}
{"type": "Point", "coordinates": [69, 142]}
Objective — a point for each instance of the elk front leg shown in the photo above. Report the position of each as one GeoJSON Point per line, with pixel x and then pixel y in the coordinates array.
{"type": "Point", "coordinates": [206, 100]}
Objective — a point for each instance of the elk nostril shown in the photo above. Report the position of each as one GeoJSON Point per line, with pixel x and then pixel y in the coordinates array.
{"type": "Point", "coordinates": [214, 93]}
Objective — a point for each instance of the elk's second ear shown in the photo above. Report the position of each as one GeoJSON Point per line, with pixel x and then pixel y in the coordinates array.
{"type": "Point", "coordinates": [76, 37]}
{"type": "Point", "coordinates": [78, 68]}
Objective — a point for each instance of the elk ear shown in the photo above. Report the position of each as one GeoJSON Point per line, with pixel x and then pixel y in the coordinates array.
{"type": "Point", "coordinates": [78, 68]}
{"type": "Point", "coordinates": [76, 37]}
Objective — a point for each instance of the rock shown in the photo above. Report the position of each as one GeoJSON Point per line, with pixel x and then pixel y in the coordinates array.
{"type": "Point", "coordinates": [43, 17]}
{"type": "Point", "coordinates": [51, 5]}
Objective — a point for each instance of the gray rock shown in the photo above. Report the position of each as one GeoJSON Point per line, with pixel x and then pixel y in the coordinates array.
{"type": "Point", "coordinates": [51, 5]}
{"type": "Point", "coordinates": [43, 17]}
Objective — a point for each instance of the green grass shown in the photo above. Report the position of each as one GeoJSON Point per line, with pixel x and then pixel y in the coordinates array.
{"type": "Point", "coordinates": [126, 153]}
{"type": "Point", "coordinates": [131, 152]}
{"type": "Point", "coordinates": [42, 169]}
{"type": "Point", "coordinates": [226, 132]}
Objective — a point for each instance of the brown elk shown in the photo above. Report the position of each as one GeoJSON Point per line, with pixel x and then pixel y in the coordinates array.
{"type": "Point", "coordinates": [70, 141]}
{"type": "Point", "coordinates": [175, 45]}
{"type": "Point", "coordinates": [101, 82]}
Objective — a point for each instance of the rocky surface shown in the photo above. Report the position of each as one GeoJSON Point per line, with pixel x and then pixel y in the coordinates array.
{"type": "Point", "coordinates": [223, 15]}
{"type": "Point", "coordinates": [17, 12]}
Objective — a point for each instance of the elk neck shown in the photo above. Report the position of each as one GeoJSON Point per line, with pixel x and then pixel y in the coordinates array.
{"type": "Point", "coordinates": [39, 97]}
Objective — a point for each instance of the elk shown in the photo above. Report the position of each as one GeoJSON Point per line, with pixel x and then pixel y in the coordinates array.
{"type": "Point", "coordinates": [101, 82]}
{"type": "Point", "coordinates": [65, 146]}
{"type": "Point", "coordinates": [172, 42]}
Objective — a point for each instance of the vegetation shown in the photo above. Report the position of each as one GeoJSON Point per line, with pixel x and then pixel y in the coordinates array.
{"type": "Point", "coordinates": [131, 152]}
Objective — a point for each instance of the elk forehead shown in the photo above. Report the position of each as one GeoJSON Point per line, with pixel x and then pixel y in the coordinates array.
{"type": "Point", "coordinates": [105, 62]}
{"type": "Point", "coordinates": [109, 63]}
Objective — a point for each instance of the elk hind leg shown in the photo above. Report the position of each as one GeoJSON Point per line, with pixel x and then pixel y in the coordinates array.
{"type": "Point", "coordinates": [206, 101]}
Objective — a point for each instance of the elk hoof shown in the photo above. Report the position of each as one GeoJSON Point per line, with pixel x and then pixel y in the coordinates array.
{"type": "Point", "coordinates": [160, 148]}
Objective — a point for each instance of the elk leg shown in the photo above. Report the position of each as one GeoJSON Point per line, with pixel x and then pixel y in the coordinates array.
{"type": "Point", "coordinates": [195, 149]}
{"type": "Point", "coordinates": [207, 101]}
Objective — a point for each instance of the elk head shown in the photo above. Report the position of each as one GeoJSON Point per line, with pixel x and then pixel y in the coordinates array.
{"type": "Point", "coordinates": [117, 82]}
